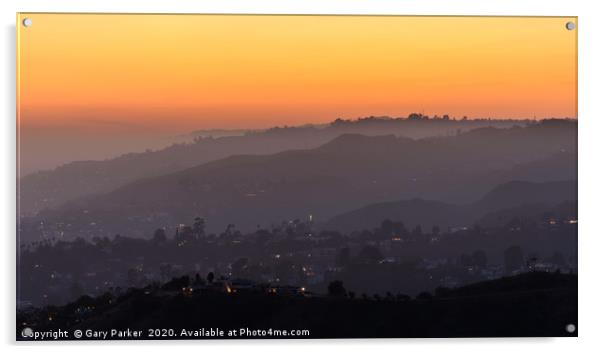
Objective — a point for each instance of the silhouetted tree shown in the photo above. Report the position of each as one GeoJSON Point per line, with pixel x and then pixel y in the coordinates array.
{"type": "Point", "coordinates": [229, 230]}
{"type": "Point", "coordinates": [389, 228]}
{"type": "Point", "coordinates": [386, 227]}
{"type": "Point", "coordinates": [402, 297]}
{"type": "Point", "coordinates": [425, 295]}
{"type": "Point", "coordinates": [198, 227]}
{"type": "Point", "coordinates": [414, 116]}
{"type": "Point", "coordinates": [399, 229]}
{"type": "Point", "coordinates": [177, 283]}
{"type": "Point", "coordinates": [336, 288]}
{"type": "Point", "coordinates": [210, 277]}
{"type": "Point", "coordinates": [159, 236]}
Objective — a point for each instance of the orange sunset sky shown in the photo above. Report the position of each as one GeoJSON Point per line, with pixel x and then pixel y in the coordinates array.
{"type": "Point", "coordinates": [249, 71]}
{"type": "Point", "coordinates": [85, 74]}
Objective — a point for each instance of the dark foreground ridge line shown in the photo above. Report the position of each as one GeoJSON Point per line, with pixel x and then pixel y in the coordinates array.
{"type": "Point", "coordinates": [535, 304]}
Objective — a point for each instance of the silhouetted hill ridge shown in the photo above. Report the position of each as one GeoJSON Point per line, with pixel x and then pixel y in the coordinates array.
{"type": "Point", "coordinates": [530, 304]}
{"type": "Point", "coordinates": [515, 193]}
{"type": "Point", "coordinates": [511, 199]}
{"type": "Point", "coordinates": [353, 170]}
{"type": "Point", "coordinates": [77, 179]}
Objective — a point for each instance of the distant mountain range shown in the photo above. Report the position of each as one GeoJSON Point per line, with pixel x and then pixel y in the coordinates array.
{"type": "Point", "coordinates": [74, 180]}
{"type": "Point", "coordinates": [342, 175]}
{"type": "Point", "coordinates": [511, 200]}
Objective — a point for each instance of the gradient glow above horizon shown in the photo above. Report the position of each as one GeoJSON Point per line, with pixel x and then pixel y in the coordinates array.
{"type": "Point", "coordinates": [180, 72]}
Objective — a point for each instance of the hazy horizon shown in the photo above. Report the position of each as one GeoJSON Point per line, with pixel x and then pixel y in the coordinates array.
{"type": "Point", "coordinates": [88, 80]}
{"type": "Point", "coordinates": [52, 147]}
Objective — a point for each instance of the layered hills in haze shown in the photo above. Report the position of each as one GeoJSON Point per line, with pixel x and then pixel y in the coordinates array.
{"type": "Point", "coordinates": [47, 189]}
{"type": "Point", "coordinates": [504, 203]}
{"type": "Point", "coordinates": [348, 172]}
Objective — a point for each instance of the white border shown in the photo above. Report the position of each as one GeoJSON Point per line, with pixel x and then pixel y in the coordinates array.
{"type": "Point", "coordinates": [590, 179]}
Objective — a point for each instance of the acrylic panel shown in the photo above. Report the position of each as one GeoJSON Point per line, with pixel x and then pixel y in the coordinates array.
{"type": "Point", "coordinates": [311, 176]}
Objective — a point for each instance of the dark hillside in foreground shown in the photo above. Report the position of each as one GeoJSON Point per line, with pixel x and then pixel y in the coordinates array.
{"type": "Point", "coordinates": [529, 304]}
